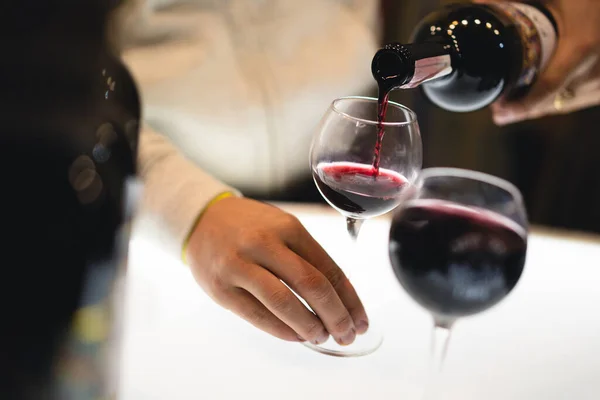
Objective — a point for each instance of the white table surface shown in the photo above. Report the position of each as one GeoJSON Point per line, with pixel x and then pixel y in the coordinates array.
{"type": "Point", "coordinates": [542, 342]}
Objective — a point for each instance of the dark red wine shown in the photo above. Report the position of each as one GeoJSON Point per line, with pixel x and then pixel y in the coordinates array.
{"type": "Point", "coordinates": [453, 260]}
{"type": "Point", "coordinates": [382, 105]}
{"type": "Point", "coordinates": [357, 190]}
{"type": "Point", "coordinates": [465, 56]}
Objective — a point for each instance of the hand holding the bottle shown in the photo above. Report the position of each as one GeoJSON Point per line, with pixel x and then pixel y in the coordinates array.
{"type": "Point", "coordinates": [571, 81]}
{"type": "Point", "coordinates": [240, 253]}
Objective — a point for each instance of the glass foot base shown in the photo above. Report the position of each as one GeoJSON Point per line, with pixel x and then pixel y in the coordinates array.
{"type": "Point", "coordinates": [363, 345]}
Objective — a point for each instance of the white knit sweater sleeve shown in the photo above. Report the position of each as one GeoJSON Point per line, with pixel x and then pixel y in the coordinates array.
{"type": "Point", "coordinates": [175, 192]}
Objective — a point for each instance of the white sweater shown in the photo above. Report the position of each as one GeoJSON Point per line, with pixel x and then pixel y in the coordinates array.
{"type": "Point", "coordinates": [237, 87]}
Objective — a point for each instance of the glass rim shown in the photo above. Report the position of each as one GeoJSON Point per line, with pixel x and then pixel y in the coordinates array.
{"type": "Point", "coordinates": [412, 119]}
{"type": "Point", "coordinates": [473, 175]}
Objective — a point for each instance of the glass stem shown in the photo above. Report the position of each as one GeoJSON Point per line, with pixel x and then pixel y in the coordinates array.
{"type": "Point", "coordinates": [353, 226]}
{"type": "Point", "coordinates": [440, 339]}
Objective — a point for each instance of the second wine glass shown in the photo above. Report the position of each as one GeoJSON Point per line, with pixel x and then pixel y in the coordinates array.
{"type": "Point", "coordinates": [361, 167]}
{"type": "Point", "coordinates": [458, 245]}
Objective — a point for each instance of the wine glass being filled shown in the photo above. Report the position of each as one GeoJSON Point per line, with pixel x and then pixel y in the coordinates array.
{"type": "Point", "coordinates": [362, 162]}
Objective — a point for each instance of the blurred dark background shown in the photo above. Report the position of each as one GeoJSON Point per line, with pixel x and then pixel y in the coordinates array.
{"type": "Point", "coordinates": [553, 160]}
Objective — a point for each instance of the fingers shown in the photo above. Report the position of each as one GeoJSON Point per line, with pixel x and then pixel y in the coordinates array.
{"type": "Point", "coordinates": [539, 101]}
{"type": "Point", "coordinates": [249, 308]}
{"type": "Point", "coordinates": [281, 302]}
{"type": "Point", "coordinates": [307, 248]}
{"type": "Point", "coordinates": [312, 286]}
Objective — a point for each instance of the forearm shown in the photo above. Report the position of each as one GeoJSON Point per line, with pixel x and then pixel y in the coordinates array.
{"type": "Point", "coordinates": [175, 192]}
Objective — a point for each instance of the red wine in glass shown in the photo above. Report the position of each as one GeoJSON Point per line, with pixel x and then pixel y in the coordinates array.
{"type": "Point", "coordinates": [341, 161]}
{"type": "Point", "coordinates": [457, 245]}
{"type": "Point", "coordinates": [457, 260]}
{"type": "Point", "coordinates": [454, 260]}
{"type": "Point", "coordinates": [358, 190]}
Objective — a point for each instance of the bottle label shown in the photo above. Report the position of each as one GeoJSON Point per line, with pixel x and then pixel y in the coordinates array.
{"type": "Point", "coordinates": [430, 68]}
{"type": "Point", "coordinates": [538, 35]}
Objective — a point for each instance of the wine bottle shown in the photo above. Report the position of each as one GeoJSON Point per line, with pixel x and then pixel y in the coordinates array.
{"type": "Point", "coordinates": [465, 56]}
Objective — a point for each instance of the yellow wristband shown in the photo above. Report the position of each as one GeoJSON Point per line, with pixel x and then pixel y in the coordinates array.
{"type": "Point", "coordinates": [189, 235]}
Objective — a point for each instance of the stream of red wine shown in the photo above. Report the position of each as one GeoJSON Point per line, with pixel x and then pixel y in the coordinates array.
{"type": "Point", "coordinates": [382, 105]}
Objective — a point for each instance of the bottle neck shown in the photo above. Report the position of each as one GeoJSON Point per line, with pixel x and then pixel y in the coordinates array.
{"type": "Point", "coordinates": [410, 65]}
